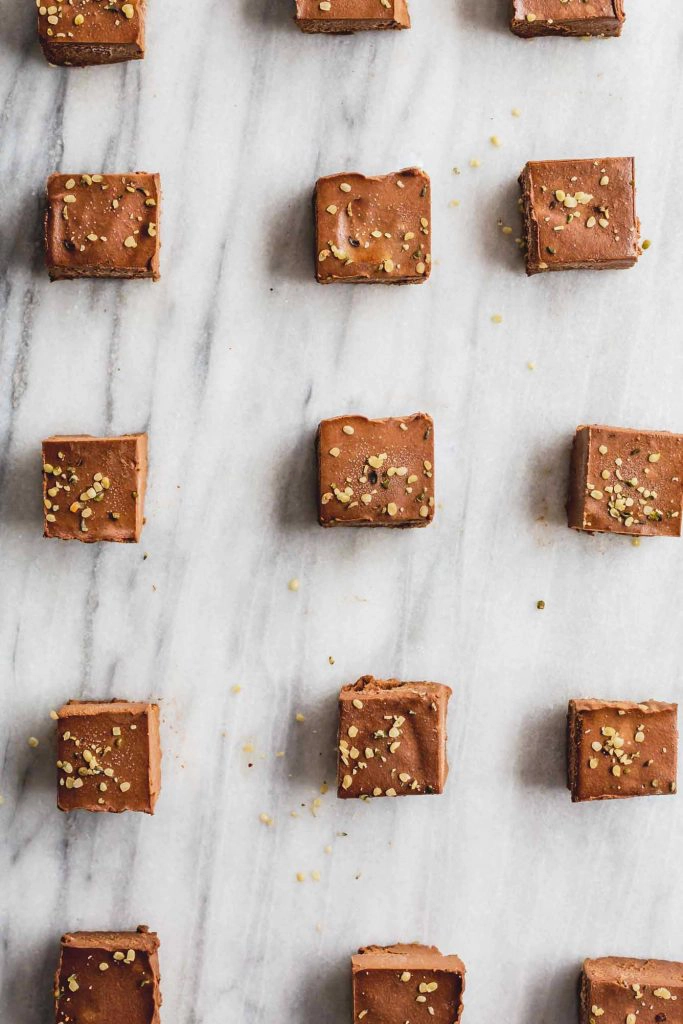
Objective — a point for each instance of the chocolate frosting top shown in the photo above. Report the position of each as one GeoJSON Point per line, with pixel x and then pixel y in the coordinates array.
{"type": "Point", "coordinates": [94, 487]}
{"type": "Point", "coordinates": [103, 220]}
{"type": "Point", "coordinates": [623, 990]}
{"type": "Point", "coordinates": [108, 977]}
{"type": "Point", "coordinates": [411, 983]}
{"type": "Point", "coordinates": [108, 756]}
{"type": "Point", "coordinates": [581, 212]}
{"type": "Point", "coordinates": [374, 227]}
{"type": "Point", "coordinates": [352, 10]}
{"type": "Point", "coordinates": [568, 10]}
{"type": "Point", "coordinates": [115, 22]}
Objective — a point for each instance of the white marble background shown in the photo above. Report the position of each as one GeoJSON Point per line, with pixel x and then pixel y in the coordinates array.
{"type": "Point", "coordinates": [229, 362]}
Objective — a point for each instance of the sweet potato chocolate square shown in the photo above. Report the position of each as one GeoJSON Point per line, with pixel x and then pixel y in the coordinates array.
{"type": "Point", "coordinates": [376, 472]}
{"type": "Point", "coordinates": [108, 756]}
{"type": "Point", "coordinates": [618, 748]}
{"type": "Point", "coordinates": [392, 738]}
{"type": "Point", "coordinates": [351, 15]}
{"type": "Point", "coordinates": [627, 991]}
{"type": "Point", "coordinates": [108, 978]}
{"type": "Point", "coordinates": [626, 481]}
{"type": "Point", "coordinates": [373, 230]}
{"type": "Point", "coordinates": [94, 487]}
{"type": "Point", "coordinates": [407, 983]}
{"type": "Point", "coordinates": [567, 17]}
{"type": "Point", "coordinates": [102, 225]}
{"type": "Point", "coordinates": [84, 32]}
{"type": "Point", "coordinates": [580, 215]}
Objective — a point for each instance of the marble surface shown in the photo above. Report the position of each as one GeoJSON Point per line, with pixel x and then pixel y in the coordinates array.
{"type": "Point", "coordinates": [229, 362]}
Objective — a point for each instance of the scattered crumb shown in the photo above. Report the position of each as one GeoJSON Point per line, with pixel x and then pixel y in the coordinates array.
{"type": "Point", "coordinates": [540, 605]}
{"type": "Point", "coordinates": [293, 814]}
{"type": "Point", "coordinates": [293, 585]}
{"type": "Point", "coordinates": [474, 162]}
{"type": "Point", "coordinates": [496, 318]}
{"type": "Point", "coordinates": [265, 819]}
{"type": "Point", "coordinates": [506, 229]}
{"type": "Point", "coordinates": [646, 244]}
{"type": "Point", "coordinates": [300, 876]}
{"type": "Point", "coordinates": [531, 366]}
{"type": "Point", "coordinates": [495, 141]}
{"type": "Point", "coordinates": [635, 541]}
{"type": "Point", "coordinates": [331, 660]}
{"type": "Point", "coordinates": [236, 688]}
{"type": "Point", "coordinates": [328, 849]}
{"type": "Point", "coordinates": [454, 203]}
{"type": "Point", "coordinates": [54, 716]}
{"type": "Point", "coordinates": [456, 170]}
{"type": "Point", "coordinates": [299, 717]}
{"type": "Point", "coordinates": [280, 753]}
{"type": "Point", "coordinates": [33, 742]}
{"type": "Point", "coordinates": [516, 112]}
{"type": "Point", "coordinates": [315, 875]}
{"type": "Point", "coordinates": [248, 748]}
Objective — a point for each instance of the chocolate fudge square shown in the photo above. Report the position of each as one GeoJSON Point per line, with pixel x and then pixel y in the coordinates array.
{"type": "Point", "coordinates": [102, 225]}
{"type": "Point", "coordinates": [619, 748]}
{"type": "Point", "coordinates": [108, 756]}
{"type": "Point", "coordinates": [567, 17]}
{"type": "Point", "coordinates": [351, 15]}
{"type": "Point", "coordinates": [373, 230]}
{"type": "Point", "coordinates": [626, 481]}
{"type": "Point", "coordinates": [580, 215]}
{"type": "Point", "coordinates": [392, 738]}
{"type": "Point", "coordinates": [407, 983]}
{"type": "Point", "coordinates": [628, 991]}
{"type": "Point", "coordinates": [108, 978]}
{"type": "Point", "coordinates": [94, 487]}
{"type": "Point", "coordinates": [376, 472]}
{"type": "Point", "coordinates": [84, 32]}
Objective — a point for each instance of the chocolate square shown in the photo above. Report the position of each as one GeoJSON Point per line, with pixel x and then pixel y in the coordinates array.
{"type": "Point", "coordinates": [407, 983]}
{"type": "Point", "coordinates": [351, 15]}
{"type": "Point", "coordinates": [618, 748]}
{"type": "Point", "coordinates": [94, 487]}
{"type": "Point", "coordinates": [102, 225]}
{"type": "Point", "coordinates": [567, 17]}
{"type": "Point", "coordinates": [376, 472]}
{"type": "Point", "coordinates": [628, 991]}
{"type": "Point", "coordinates": [108, 756]}
{"type": "Point", "coordinates": [108, 976]}
{"type": "Point", "coordinates": [626, 481]}
{"type": "Point", "coordinates": [392, 738]}
{"type": "Point", "coordinates": [373, 230]}
{"type": "Point", "coordinates": [84, 32]}
{"type": "Point", "coordinates": [580, 215]}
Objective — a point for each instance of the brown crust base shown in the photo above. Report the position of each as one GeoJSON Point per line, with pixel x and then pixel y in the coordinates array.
{"type": "Point", "coordinates": [83, 55]}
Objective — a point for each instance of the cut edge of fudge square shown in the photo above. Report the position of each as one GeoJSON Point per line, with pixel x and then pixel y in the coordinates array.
{"type": "Point", "coordinates": [621, 749]}
{"type": "Point", "coordinates": [373, 229]}
{"type": "Point", "coordinates": [532, 18]}
{"type": "Point", "coordinates": [84, 33]}
{"type": "Point", "coordinates": [94, 487]}
{"type": "Point", "coordinates": [403, 975]}
{"type": "Point", "coordinates": [626, 481]}
{"type": "Point", "coordinates": [80, 976]}
{"type": "Point", "coordinates": [109, 757]}
{"type": "Point", "coordinates": [376, 472]}
{"type": "Point", "coordinates": [402, 751]}
{"type": "Point", "coordinates": [580, 215]}
{"type": "Point", "coordinates": [629, 990]}
{"type": "Point", "coordinates": [348, 16]}
{"type": "Point", "coordinates": [103, 226]}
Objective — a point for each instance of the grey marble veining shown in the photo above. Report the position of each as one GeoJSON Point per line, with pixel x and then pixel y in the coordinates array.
{"type": "Point", "coordinates": [229, 362]}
